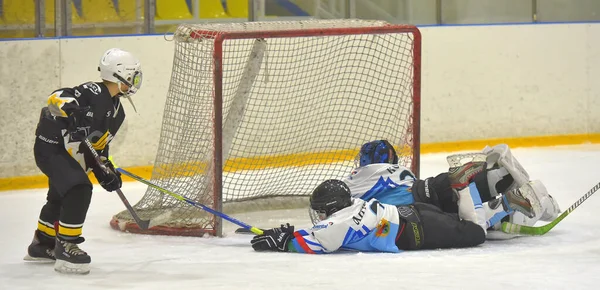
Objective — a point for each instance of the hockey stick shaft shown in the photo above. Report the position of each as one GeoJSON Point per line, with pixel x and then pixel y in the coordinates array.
{"type": "Point", "coordinates": [537, 231]}
{"type": "Point", "coordinates": [191, 202]}
{"type": "Point", "coordinates": [143, 224]}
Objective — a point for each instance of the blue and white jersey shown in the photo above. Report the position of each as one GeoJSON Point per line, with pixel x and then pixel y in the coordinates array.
{"type": "Point", "coordinates": [366, 226]}
{"type": "Point", "coordinates": [388, 183]}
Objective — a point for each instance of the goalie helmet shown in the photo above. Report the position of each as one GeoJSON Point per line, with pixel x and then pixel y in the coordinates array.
{"type": "Point", "coordinates": [329, 197]}
{"type": "Point", "coordinates": [121, 67]}
{"type": "Point", "coordinates": [379, 151]}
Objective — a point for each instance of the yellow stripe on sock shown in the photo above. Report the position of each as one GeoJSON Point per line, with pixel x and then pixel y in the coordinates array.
{"type": "Point", "coordinates": [69, 232]}
{"type": "Point", "coordinates": [46, 229]}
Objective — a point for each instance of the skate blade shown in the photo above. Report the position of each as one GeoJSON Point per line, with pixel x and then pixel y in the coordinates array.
{"type": "Point", "coordinates": [65, 267]}
{"type": "Point", "coordinates": [37, 260]}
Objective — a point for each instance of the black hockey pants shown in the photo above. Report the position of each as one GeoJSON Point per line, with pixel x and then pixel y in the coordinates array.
{"type": "Point", "coordinates": [428, 227]}
{"type": "Point", "coordinates": [69, 192]}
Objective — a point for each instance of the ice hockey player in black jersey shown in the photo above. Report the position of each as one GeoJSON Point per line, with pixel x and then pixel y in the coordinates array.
{"type": "Point", "coordinates": [91, 111]}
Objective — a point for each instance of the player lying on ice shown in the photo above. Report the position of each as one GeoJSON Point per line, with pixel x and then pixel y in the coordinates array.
{"type": "Point", "coordinates": [376, 178]}
{"type": "Point", "coordinates": [423, 219]}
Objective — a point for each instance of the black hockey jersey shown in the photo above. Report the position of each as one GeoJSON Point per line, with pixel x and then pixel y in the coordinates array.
{"type": "Point", "coordinates": [86, 111]}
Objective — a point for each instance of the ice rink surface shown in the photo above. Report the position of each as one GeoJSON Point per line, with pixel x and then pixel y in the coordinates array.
{"type": "Point", "coordinates": [568, 257]}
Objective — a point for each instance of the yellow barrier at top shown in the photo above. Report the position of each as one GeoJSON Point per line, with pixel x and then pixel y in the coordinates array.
{"type": "Point", "coordinates": [212, 9]}
{"type": "Point", "coordinates": [170, 9]}
{"type": "Point", "coordinates": [237, 8]}
{"type": "Point", "coordinates": [98, 17]}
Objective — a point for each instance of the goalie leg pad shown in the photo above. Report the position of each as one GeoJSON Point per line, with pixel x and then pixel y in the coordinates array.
{"type": "Point", "coordinates": [544, 206]}
{"type": "Point", "coordinates": [501, 157]}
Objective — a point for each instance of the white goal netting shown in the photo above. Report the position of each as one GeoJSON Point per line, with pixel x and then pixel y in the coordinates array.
{"type": "Point", "coordinates": [276, 108]}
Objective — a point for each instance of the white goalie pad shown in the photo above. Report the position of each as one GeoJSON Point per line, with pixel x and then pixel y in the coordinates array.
{"type": "Point", "coordinates": [544, 206]}
{"type": "Point", "coordinates": [502, 155]}
{"type": "Point", "coordinates": [457, 160]}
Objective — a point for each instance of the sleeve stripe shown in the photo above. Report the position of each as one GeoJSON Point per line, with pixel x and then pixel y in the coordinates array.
{"type": "Point", "coordinates": [302, 232]}
{"type": "Point", "coordinates": [297, 247]}
{"type": "Point", "coordinates": [101, 143]}
{"type": "Point", "coordinates": [302, 243]}
{"type": "Point", "coordinates": [348, 235]}
{"type": "Point", "coordinates": [312, 243]}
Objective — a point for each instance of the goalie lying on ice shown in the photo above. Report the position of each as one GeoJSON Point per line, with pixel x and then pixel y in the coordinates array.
{"type": "Point", "coordinates": [490, 186]}
{"type": "Point", "coordinates": [381, 206]}
{"type": "Point", "coordinates": [370, 226]}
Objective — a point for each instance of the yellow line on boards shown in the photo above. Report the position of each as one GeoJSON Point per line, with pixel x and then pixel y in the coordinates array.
{"type": "Point", "coordinates": [40, 181]}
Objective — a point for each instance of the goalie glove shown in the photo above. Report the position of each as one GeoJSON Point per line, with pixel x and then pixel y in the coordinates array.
{"type": "Point", "coordinates": [275, 239]}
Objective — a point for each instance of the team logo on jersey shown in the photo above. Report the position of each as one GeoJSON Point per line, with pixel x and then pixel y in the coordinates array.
{"type": "Point", "coordinates": [93, 87]}
{"type": "Point", "coordinates": [383, 228]}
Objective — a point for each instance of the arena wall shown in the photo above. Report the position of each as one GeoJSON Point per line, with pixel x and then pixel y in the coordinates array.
{"type": "Point", "coordinates": [478, 83]}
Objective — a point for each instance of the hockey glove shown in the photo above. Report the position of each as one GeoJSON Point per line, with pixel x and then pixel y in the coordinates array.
{"type": "Point", "coordinates": [78, 123]}
{"type": "Point", "coordinates": [275, 239]}
{"type": "Point", "coordinates": [108, 177]}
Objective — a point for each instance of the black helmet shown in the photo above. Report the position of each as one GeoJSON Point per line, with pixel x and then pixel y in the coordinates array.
{"type": "Point", "coordinates": [329, 197]}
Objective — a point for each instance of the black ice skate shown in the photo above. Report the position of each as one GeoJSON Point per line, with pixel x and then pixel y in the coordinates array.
{"type": "Point", "coordinates": [70, 259]}
{"type": "Point", "coordinates": [40, 252]}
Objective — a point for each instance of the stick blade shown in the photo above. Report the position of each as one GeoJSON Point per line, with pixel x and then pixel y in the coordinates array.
{"type": "Point", "coordinates": [143, 224]}
{"type": "Point", "coordinates": [244, 231]}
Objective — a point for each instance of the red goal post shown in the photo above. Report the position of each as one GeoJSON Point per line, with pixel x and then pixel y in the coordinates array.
{"type": "Point", "coordinates": [259, 113]}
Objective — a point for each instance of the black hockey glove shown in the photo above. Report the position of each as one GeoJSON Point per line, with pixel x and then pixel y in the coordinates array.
{"type": "Point", "coordinates": [108, 177]}
{"type": "Point", "coordinates": [275, 239]}
{"type": "Point", "coordinates": [79, 123]}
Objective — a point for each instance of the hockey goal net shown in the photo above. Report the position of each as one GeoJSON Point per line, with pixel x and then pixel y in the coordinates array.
{"type": "Point", "coordinates": [258, 114]}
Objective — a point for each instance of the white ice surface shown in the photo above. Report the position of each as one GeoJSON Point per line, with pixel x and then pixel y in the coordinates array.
{"type": "Point", "coordinates": [568, 257]}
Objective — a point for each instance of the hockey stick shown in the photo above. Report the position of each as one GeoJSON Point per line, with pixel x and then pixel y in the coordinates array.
{"type": "Point", "coordinates": [245, 231]}
{"type": "Point", "coordinates": [191, 202]}
{"type": "Point", "coordinates": [511, 228]}
{"type": "Point", "coordinates": [143, 224]}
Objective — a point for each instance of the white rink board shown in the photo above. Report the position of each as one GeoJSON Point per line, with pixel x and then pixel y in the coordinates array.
{"type": "Point", "coordinates": [478, 82]}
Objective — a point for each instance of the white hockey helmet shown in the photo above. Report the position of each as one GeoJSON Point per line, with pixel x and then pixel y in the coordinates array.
{"type": "Point", "coordinates": [119, 66]}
